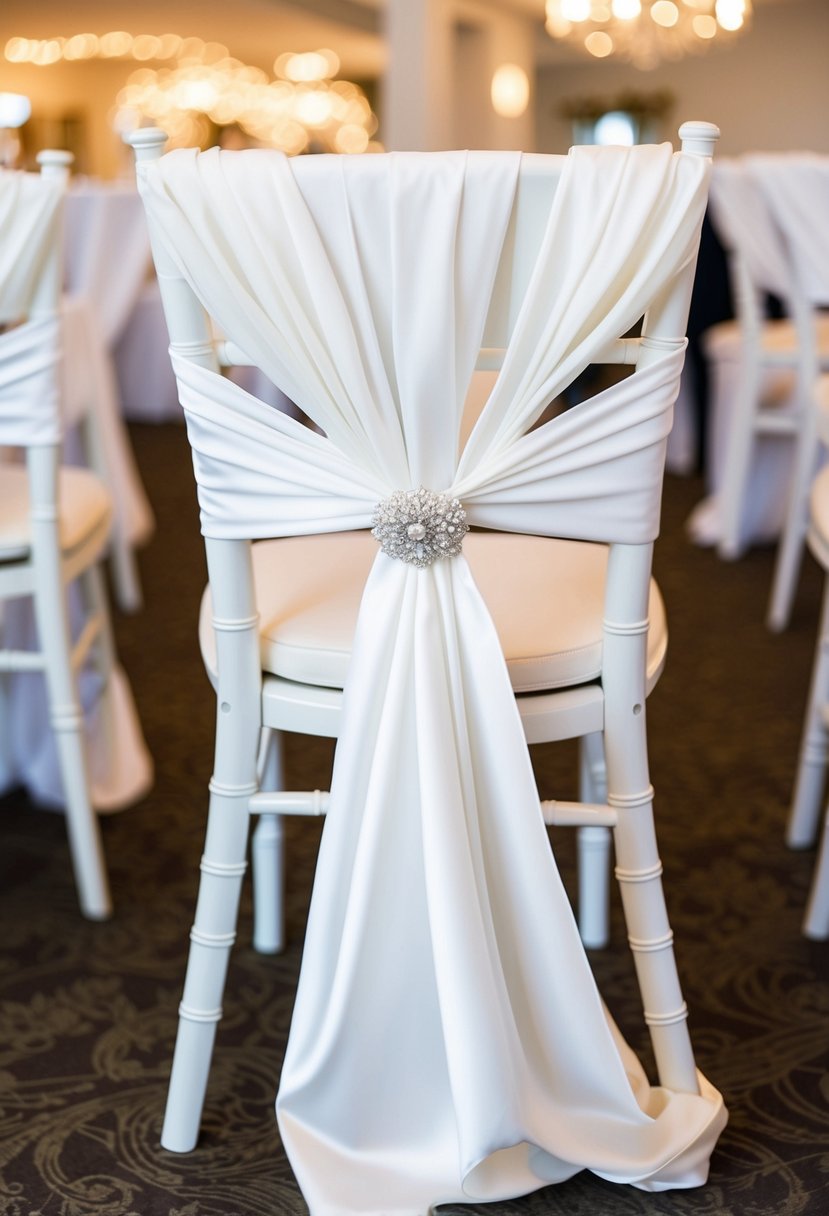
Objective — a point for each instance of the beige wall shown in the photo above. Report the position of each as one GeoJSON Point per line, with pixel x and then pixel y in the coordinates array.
{"type": "Point", "coordinates": [83, 93]}
{"type": "Point", "coordinates": [770, 91]}
{"type": "Point", "coordinates": [442, 56]}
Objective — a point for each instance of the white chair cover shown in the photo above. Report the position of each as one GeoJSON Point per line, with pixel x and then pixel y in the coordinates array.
{"type": "Point", "coordinates": [448, 1041]}
{"type": "Point", "coordinates": [31, 403]}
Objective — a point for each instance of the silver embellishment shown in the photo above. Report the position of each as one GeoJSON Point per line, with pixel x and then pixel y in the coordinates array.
{"type": "Point", "coordinates": [419, 526]}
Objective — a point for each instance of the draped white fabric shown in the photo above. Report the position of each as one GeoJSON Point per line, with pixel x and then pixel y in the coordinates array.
{"type": "Point", "coordinates": [448, 1041]}
{"type": "Point", "coordinates": [796, 190]}
{"type": "Point", "coordinates": [29, 208]}
{"type": "Point", "coordinates": [29, 368]}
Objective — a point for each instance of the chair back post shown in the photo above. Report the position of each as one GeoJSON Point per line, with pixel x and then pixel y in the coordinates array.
{"type": "Point", "coordinates": [230, 572]}
{"type": "Point", "coordinates": [43, 461]}
{"type": "Point", "coordinates": [187, 322]}
{"type": "Point", "coordinates": [668, 313]}
{"type": "Point", "coordinates": [624, 663]}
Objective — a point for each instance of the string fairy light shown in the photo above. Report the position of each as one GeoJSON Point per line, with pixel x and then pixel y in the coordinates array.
{"type": "Point", "coordinates": [199, 85]}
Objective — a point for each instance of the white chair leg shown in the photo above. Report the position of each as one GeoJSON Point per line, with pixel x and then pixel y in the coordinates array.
{"type": "Point", "coordinates": [97, 605]}
{"type": "Point", "coordinates": [68, 724]}
{"type": "Point", "coordinates": [816, 922]}
{"type": "Point", "coordinates": [638, 867]}
{"type": "Point", "coordinates": [814, 745]}
{"type": "Point", "coordinates": [268, 856]}
{"type": "Point", "coordinates": [639, 871]}
{"type": "Point", "coordinates": [737, 465]}
{"type": "Point", "coordinates": [223, 867]}
{"type": "Point", "coordinates": [792, 539]}
{"type": "Point", "coordinates": [593, 847]}
{"type": "Point", "coordinates": [5, 718]}
{"type": "Point", "coordinates": [126, 580]}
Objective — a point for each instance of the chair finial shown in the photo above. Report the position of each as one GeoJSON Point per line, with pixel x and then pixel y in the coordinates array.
{"type": "Point", "coordinates": [147, 143]}
{"type": "Point", "coordinates": [699, 137]}
{"type": "Point", "coordinates": [54, 163]}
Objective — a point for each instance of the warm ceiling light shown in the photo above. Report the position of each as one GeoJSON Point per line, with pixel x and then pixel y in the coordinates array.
{"type": "Point", "coordinates": [599, 44]}
{"type": "Point", "coordinates": [510, 90]}
{"type": "Point", "coordinates": [730, 14]}
{"type": "Point", "coordinates": [646, 31]}
{"type": "Point", "coordinates": [307, 67]}
{"type": "Point", "coordinates": [575, 10]}
{"type": "Point", "coordinates": [665, 13]}
{"type": "Point", "coordinates": [704, 26]}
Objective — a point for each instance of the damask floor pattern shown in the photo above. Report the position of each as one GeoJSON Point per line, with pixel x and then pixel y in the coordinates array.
{"type": "Point", "coordinates": [87, 1012]}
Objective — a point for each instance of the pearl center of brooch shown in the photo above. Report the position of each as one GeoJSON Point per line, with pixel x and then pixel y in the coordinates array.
{"type": "Point", "coordinates": [419, 526]}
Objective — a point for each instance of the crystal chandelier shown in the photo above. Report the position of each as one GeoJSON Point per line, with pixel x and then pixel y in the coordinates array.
{"type": "Point", "coordinates": [646, 31]}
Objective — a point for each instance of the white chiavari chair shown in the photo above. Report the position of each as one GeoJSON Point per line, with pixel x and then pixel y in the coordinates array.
{"type": "Point", "coordinates": [367, 289]}
{"type": "Point", "coordinates": [55, 525]}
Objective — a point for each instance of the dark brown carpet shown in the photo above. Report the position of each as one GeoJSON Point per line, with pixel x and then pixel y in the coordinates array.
{"type": "Point", "coordinates": [87, 1012]}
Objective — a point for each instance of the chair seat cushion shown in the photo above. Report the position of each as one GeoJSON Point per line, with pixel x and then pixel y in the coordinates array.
{"type": "Point", "coordinates": [545, 597]}
{"type": "Point", "coordinates": [84, 503]}
{"type": "Point", "coordinates": [778, 337]}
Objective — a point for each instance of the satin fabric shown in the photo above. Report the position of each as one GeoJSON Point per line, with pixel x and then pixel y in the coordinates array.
{"type": "Point", "coordinates": [795, 187]}
{"type": "Point", "coordinates": [32, 413]}
{"type": "Point", "coordinates": [448, 1041]}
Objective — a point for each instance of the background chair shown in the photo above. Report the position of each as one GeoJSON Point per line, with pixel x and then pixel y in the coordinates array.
{"type": "Point", "coordinates": [279, 625]}
{"type": "Point", "coordinates": [762, 372]}
{"type": "Point", "coordinates": [54, 528]}
{"type": "Point", "coordinates": [796, 191]}
{"type": "Point", "coordinates": [808, 798]}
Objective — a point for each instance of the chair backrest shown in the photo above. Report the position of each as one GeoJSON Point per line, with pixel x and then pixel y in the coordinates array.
{"type": "Point", "coordinates": [795, 188]}
{"type": "Point", "coordinates": [383, 278]}
{"type": "Point", "coordinates": [746, 229]}
{"type": "Point", "coordinates": [30, 275]}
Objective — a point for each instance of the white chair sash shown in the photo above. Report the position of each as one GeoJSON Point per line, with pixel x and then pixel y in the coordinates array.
{"type": "Point", "coordinates": [29, 400]}
{"type": "Point", "coordinates": [448, 1041]}
{"type": "Point", "coordinates": [29, 206]}
{"type": "Point", "coordinates": [29, 353]}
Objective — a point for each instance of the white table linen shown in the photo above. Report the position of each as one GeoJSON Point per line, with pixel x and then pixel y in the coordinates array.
{"type": "Point", "coordinates": [106, 263]}
{"type": "Point", "coordinates": [448, 1041]}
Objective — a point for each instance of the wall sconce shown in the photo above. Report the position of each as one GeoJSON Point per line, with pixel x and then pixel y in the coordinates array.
{"type": "Point", "coordinates": [510, 90]}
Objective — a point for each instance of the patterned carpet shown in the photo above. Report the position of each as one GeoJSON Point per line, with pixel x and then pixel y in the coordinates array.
{"type": "Point", "coordinates": [87, 1012]}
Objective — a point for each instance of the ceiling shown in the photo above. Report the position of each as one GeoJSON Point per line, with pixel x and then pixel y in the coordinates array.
{"type": "Point", "coordinates": [255, 31]}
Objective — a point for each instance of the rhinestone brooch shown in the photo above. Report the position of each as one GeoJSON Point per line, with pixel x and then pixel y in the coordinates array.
{"type": "Point", "coordinates": [419, 526]}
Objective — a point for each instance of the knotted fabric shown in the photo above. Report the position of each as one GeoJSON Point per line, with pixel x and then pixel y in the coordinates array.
{"type": "Point", "coordinates": [448, 1041]}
